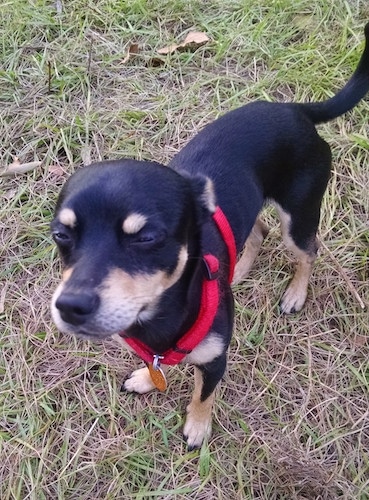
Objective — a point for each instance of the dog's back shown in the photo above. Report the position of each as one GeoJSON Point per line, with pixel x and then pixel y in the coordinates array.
{"type": "Point", "coordinates": [257, 151]}
{"type": "Point", "coordinates": [267, 150]}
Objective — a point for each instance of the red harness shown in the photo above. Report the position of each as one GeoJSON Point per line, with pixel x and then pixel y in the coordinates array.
{"type": "Point", "coordinates": [208, 305]}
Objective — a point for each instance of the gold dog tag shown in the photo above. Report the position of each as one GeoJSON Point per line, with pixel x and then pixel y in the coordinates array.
{"type": "Point", "coordinates": [158, 377]}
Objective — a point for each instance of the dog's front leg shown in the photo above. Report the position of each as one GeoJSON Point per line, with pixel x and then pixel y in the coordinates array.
{"type": "Point", "coordinates": [199, 411]}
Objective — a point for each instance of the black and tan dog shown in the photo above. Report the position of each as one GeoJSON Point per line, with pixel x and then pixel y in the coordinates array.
{"type": "Point", "coordinates": [148, 254]}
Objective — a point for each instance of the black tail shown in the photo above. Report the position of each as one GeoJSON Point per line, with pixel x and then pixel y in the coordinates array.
{"type": "Point", "coordinates": [354, 90]}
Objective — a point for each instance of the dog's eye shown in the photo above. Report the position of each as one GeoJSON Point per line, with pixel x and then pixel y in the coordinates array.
{"type": "Point", "coordinates": [145, 239]}
{"type": "Point", "coordinates": [148, 239]}
{"type": "Point", "coordinates": [60, 238]}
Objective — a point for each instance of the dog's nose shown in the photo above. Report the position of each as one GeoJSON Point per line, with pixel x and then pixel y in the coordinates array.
{"type": "Point", "coordinates": [75, 308]}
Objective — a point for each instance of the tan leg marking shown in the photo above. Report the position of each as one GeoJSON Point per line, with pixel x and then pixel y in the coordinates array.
{"type": "Point", "coordinates": [294, 297]}
{"type": "Point", "coordinates": [250, 251]}
{"type": "Point", "coordinates": [198, 421]}
{"type": "Point", "coordinates": [296, 293]}
{"type": "Point", "coordinates": [140, 380]}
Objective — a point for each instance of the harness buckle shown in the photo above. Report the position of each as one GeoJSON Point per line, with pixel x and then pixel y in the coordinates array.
{"type": "Point", "coordinates": [211, 264]}
{"type": "Point", "coordinates": [156, 361]}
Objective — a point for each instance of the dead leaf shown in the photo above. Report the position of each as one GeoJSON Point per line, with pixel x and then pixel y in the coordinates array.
{"type": "Point", "coordinates": [16, 167]}
{"type": "Point", "coordinates": [197, 37]}
{"type": "Point", "coordinates": [133, 49]}
{"type": "Point", "coordinates": [168, 50]}
{"type": "Point", "coordinates": [193, 40]}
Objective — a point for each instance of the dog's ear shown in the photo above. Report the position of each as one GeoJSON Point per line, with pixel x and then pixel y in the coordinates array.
{"type": "Point", "coordinates": [205, 198]}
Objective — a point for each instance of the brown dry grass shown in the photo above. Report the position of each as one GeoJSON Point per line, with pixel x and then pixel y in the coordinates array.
{"type": "Point", "coordinates": [291, 420]}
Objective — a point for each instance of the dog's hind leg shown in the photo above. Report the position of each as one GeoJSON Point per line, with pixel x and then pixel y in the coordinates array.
{"type": "Point", "coordinates": [250, 250]}
{"type": "Point", "coordinates": [298, 201]}
{"type": "Point", "coordinates": [305, 253]}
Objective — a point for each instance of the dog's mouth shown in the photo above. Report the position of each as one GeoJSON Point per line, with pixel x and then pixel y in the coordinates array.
{"type": "Point", "coordinates": [88, 335]}
{"type": "Point", "coordinates": [83, 332]}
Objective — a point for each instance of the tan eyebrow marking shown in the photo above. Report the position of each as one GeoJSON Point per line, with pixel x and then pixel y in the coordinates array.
{"type": "Point", "coordinates": [68, 217]}
{"type": "Point", "coordinates": [134, 223]}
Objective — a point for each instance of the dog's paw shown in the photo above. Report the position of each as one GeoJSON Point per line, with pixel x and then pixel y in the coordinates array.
{"type": "Point", "coordinates": [139, 381]}
{"type": "Point", "coordinates": [293, 299]}
{"type": "Point", "coordinates": [197, 428]}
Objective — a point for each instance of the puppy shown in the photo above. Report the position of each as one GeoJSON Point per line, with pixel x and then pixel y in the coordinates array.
{"type": "Point", "coordinates": [149, 251]}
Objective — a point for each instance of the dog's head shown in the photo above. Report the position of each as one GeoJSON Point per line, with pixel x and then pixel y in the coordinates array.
{"type": "Point", "coordinates": [125, 232]}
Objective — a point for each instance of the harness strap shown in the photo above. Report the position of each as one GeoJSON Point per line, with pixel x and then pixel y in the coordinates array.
{"type": "Point", "coordinates": [208, 309]}
{"type": "Point", "coordinates": [226, 231]}
{"type": "Point", "coordinates": [208, 305]}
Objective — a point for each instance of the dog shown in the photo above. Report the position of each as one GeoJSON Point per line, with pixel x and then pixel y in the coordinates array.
{"type": "Point", "coordinates": [149, 250]}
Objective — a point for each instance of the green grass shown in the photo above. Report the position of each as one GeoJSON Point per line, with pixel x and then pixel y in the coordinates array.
{"type": "Point", "coordinates": [291, 418]}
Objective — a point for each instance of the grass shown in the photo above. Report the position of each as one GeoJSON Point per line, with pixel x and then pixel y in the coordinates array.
{"type": "Point", "coordinates": [291, 419]}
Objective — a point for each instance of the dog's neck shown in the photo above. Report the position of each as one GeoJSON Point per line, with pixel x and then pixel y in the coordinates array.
{"type": "Point", "coordinates": [183, 307]}
{"type": "Point", "coordinates": [175, 313]}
